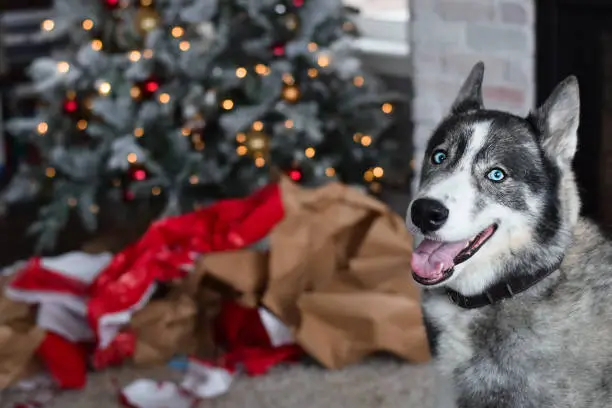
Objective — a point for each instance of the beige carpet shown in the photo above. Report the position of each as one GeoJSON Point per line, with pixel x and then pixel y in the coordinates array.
{"type": "Point", "coordinates": [375, 383]}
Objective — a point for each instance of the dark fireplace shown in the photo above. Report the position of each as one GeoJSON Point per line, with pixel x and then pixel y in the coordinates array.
{"type": "Point", "coordinates": [575, 37]}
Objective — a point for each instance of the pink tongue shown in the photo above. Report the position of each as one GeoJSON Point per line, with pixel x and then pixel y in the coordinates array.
{"type": "Point", "coordinates": [431, 258]}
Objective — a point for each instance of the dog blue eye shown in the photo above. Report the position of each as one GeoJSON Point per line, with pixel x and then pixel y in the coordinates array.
{"type": "Point", "coordinates": [496, 175]}
{"type": "Point", "coordinates": [438, 157]}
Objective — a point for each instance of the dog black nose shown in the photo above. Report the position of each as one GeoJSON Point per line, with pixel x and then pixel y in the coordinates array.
{"type": "Point", "coordinates": [429, 215]}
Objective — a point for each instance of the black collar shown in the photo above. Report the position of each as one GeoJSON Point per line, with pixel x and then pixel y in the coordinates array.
{"type": "Point", "coordinates": [502, 290]}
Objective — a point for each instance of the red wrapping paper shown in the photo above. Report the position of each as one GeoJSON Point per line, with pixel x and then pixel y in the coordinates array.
{"type": "Point", "coordinates": [164, 253]}
{"type": "Point", "coordinates": [169, 245]}
{"type": "Point", "coordinates": [241, 332]}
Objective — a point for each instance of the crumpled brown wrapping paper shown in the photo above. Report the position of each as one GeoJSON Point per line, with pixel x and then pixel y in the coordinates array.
{"type": "Point", "coordinates": [337, 273]}
{"type": "Point", "coordinates": [164, 328]}
{"type": "Point", "coordinates": [19, 339]}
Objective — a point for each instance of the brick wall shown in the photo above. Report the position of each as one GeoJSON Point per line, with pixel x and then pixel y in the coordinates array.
{"type": "Point", "coordinates": [448, 37]}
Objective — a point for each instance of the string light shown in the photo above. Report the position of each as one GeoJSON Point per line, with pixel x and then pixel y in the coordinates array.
{"type": "Point", "coordinates": [378, 172]}
{"type": "Point", "coordinates": [227, 104]}
{"type": "Point", "coordinates": [94, 209]}
{"type": "Point", "coordinates": [309, 152]}
{"type": "Point", "coordinates": [288, 123]}
{"type": "Point", "coordinates": [288, 79]}
{"type": "Point", "coordinates": [358, 81]}
{"type": "Point", "coordinates": [48, 25]}
{"type": "Point", "coordinates": [50, 172]}
{"type": "Point", "coordinates": [241, 138]}
{"type": "Point", "coordinates": [258, 126]}
{"type": "Point", "coordinates": [63, 67]}
{"type": "Point", "coordinates": [291, 93]}
{"type": "Point", "coordinates": [104, 88]}
{"type": "Point", "coordinates": [366, 140]}
{"type": "Point", "coordinates": [313, 72]}
{"type": "Point", "coordinates": [82, 124]}
{"type": "Point", "coordinates": [185, 131]}
{"type": "Point", "coordinates": [387, 108]}
{"type": "Point", "coordinates": [241, 72]}
{"type": "Point", "coordinates": [135, 92]}
{"type": "Point", "coordinates": [241, 150]}
{"type": "Point", "coordinates": [257, 143]}
{"type": "Point", "coordinates": [330, 172]}
{"type": "Point", "coordinates": [139, 132]}
{"type": "Point", "coordinates": [260, 162]}
{"type": "Point", "coordinates": [164, 98]}
{"type": "Point", "coordinates": [193, 179]}
{"type": "Point", "coordinates": [87, 24]}
{"type": "Point", "coordinates": [72, 202]}
{"type": "Point", "coordinates": [262, 69]}
{"type": "Point", "coordinates": [148, 22]}
{"type": "Point", "coordinates": [184, 45]}
{"type": "Point", "coordinates": [147, 54]}
{"type": "Point", "coordinates": [177, 32]}
{"type": "Point", "coordinates": [132, 158]}
{"type": "Point", "coordinates": [135, 56]}
{"type": "Point", "coordinates": [323, 60]}
{"type": "Point", "coordinates": [312, 47]}
{"type": "Point", "coordinates": [42, 128]}
{"type": "Point", "coordinates": [368, 175]}
{"type": "Point", "coordinates": [96, 45]}
{"type": "Point", "coordinates": [156, 191]}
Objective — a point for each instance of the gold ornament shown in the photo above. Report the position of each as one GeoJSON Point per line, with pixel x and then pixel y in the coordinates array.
{"type": "Point", "coordinates": [147, 19]}
{"type": "Point", "coordinates": [257, 143]}
{"type": "Point", "coordinates": [291, 22]}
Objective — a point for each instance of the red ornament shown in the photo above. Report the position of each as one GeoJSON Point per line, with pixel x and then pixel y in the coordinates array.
{"type": "Point", "coordinates": [295, 174]}
{"type": "Point", "coordinates": [71, 106]}
{"type": "Point", "coordinates": [279, 50]}
{"type": "Point", "coordinates": [139, 175]}
{"type": "Point", "coordinates": [151, 86]}
{"type": "Point", "coordinates": [298, 3]}
{"type": "Point", "coordinates": [148, 87]}
{"type": "Point", "coordinates": [111, 4]}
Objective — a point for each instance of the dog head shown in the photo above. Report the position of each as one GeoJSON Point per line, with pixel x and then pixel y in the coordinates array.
{"type": "Point", "coordinates": [497, 192]}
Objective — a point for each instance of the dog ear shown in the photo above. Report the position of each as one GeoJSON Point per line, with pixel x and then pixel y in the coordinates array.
{"type": "Point", "coordinates": [470, 94]}
{"type": "Point", "coordinates": [558, 118]}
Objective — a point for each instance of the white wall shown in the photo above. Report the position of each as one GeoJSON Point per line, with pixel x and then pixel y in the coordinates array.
{"type": "Point", "coordinates": [384, 43]}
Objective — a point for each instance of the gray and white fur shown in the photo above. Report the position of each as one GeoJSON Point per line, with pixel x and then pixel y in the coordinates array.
{"type": "Point", "coordinates": [551, 345]}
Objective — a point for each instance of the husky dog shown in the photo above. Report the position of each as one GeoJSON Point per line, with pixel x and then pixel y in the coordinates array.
{"type": "Point", "coordinates": [517, 287]}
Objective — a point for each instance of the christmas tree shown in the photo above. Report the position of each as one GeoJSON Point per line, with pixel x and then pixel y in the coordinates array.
{"type": "Point", "coordinates": [194, 100]}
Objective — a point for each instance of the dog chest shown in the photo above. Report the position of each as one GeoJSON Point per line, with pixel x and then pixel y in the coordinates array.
{"type": "Point", "coordinates": [448, 331]}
